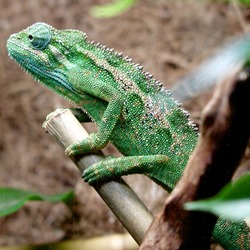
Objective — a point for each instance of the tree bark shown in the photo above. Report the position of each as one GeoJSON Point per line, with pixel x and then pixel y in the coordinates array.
{"type": "Point", "coordinates": [224, 137]}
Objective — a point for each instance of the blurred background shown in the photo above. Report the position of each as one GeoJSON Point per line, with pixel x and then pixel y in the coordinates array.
{"type": "Point", "coordinates": [169, 38]}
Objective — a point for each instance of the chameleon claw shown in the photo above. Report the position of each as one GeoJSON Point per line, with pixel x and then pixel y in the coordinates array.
{"type": "Point", "coordinates": [76, 149]}
{"type": "Point", "coordinates": [89, 177]}
{"type": "Point", "coordinates": [69, 152]}
{"type": "Point", "coordinates": [72, 150]}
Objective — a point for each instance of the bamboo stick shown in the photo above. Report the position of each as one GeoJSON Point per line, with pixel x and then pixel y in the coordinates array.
{"type": "Point", "coordinates": [120, 198]}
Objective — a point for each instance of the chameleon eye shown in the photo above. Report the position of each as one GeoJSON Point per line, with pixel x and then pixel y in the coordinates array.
{"type": "Point", "coordinates": [39, 35]}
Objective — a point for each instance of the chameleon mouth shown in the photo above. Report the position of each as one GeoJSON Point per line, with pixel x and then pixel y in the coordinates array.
{"type": "Point", "coordinates": [36, 65]}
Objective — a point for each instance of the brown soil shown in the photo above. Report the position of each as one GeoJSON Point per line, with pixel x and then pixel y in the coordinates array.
{"type": "Point", "coordinates": [168, 37]}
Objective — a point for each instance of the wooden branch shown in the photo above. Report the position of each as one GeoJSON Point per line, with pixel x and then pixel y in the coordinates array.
{"type": "Point", "coordinates": [224, 137]}
{"type": "Point", "coordinates": [120, 198]}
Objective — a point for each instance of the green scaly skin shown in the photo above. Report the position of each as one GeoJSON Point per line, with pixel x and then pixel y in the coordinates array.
{"type": "Point", "coordinates": [129, 107]}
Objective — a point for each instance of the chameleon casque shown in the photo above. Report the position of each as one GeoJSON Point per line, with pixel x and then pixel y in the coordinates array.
{"type": "Point", "coordinates": [130, 108]}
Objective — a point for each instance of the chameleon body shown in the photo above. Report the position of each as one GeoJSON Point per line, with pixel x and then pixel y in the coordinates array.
{"type": "Point", "coordinates": [130, 108]}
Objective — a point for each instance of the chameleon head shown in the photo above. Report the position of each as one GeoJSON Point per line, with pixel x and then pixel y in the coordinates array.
{"type": "Point", "coordinates": [43, 52]}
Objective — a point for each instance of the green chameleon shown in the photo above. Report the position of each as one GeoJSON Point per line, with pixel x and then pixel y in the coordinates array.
{"type": "Point", "coordinates": [130, 108]}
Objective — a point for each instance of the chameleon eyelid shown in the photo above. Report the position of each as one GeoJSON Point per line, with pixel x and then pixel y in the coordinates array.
{"type": "Point", "coordinates": [39, 35]}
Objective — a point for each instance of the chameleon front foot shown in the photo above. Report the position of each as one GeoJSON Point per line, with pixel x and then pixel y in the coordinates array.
{"type": "Point", "coordinates": [85, 146]}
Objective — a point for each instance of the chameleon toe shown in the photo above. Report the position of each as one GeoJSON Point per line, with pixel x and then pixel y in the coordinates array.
{"type": "Point", "coordinates": [69, 152]}
{"type": "Point", "coordinates": [89, 176]}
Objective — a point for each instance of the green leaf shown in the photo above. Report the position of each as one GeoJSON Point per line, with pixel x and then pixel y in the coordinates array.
{"type": "Point", "coordinates": [113, 9]}
{"type": "Point", "coordinates": [233, 201]}
{"type": "Point", "coordinates": [12, 199]}
{"type": "Point", "coordinates": [246, 2]}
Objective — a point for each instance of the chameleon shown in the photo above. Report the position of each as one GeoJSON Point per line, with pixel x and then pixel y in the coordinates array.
{"type": "Point", "coordinates": [130, 108]}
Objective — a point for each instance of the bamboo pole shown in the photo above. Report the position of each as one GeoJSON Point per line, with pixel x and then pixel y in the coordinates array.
{"type": "Point", "coordinates": [120, 198]}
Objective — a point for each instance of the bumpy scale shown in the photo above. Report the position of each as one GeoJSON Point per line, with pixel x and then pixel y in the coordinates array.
{"type": "Point", "coordinates": [130, 108]}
